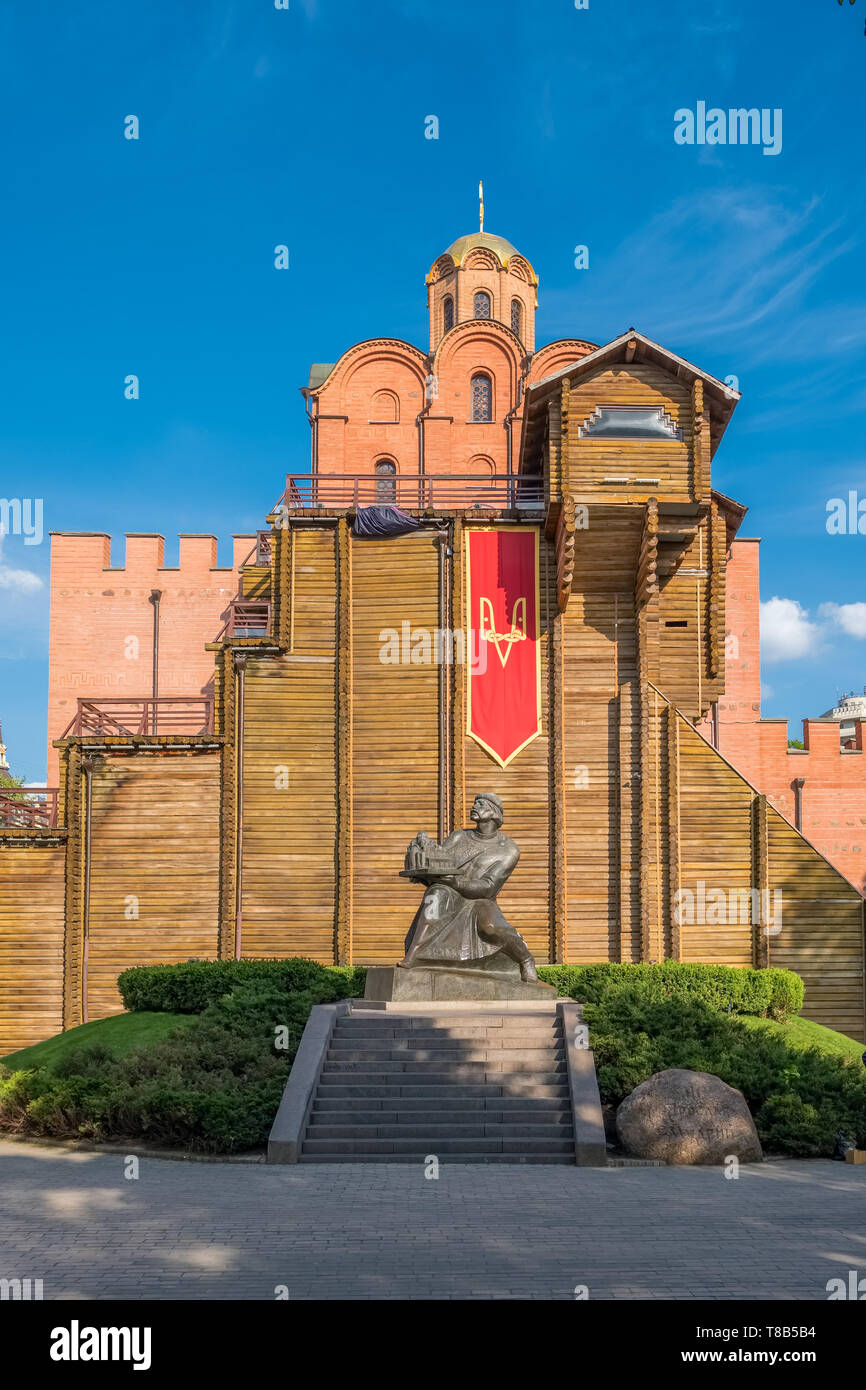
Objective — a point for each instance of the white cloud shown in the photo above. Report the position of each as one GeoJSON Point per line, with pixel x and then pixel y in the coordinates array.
{"type": "Point", "coordinates": [786, 632]}
{"type": "Point", "coordinates": [850, 617]}
{"type": "Point", "coordinates": [21, 581]}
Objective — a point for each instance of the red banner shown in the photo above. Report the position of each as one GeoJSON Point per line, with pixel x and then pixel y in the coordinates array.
{"type": "Point", "coordinates": [504, 655]}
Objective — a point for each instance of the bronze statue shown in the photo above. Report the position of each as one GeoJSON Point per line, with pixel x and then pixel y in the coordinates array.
{"type": "Point", "coordinates": [459, 922]}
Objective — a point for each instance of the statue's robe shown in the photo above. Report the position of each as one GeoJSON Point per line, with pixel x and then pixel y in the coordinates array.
{"type": "Point", "coordinates": [460, 920]}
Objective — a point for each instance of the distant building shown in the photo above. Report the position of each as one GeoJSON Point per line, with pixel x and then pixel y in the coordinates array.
{"type": "Point", "coordinates": [4, 763]}
{"type": "Point", "coordinates": [849, 708]}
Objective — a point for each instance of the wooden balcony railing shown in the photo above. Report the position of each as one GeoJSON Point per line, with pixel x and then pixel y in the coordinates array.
{"type": "Point", "coordinates": [249, 618]}
{"type": "Point", "coordinates": [169, 714]}
{"type": "Point", "coordinates": [411, 491]}
{"type": "Point", "coordinates": [260, 554]}
{"type": "Point", "coordinates": [28, 807]}
{"type": "Point", "coordinates": [263, 548]}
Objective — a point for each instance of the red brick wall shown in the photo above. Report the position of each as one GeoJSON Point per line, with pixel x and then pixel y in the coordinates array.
{"type": "Point", "coordinates": [352, 437]}
{"type": "Point", "coordinates": [101, 633]}
{"type": "Point", "coordinates": [834, 792]}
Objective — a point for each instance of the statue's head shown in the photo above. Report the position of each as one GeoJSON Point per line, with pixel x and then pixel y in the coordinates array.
{"type": "Point", "coordinates": [486, 806]}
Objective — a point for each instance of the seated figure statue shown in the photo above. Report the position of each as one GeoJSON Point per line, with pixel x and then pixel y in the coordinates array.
{"type": "Point", "coordinates": [459, 921]}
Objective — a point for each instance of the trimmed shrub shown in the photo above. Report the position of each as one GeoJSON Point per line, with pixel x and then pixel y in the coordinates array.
{"type": "Point", "coordinates": [212, 1086]}
{"type": "Point", "coordinates": [190, 987]}
{"type": "Point", "coordinates": [799, 1098]}
{"type": "Point", "coordinates": [738, 989]}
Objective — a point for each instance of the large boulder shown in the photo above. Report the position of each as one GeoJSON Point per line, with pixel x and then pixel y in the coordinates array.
{"type": "Point", "coordinates": [687, 1117]}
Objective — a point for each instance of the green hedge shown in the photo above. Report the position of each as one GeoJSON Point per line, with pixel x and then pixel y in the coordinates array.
{"type": "Point", "coordinates": [191, 987]}
{"type": "Point", "coordinates": [800, 1099]}
{"type": "Point", "coordinates": [212, 1086]}
{"type": "Point", "coordinates": [742, 990]}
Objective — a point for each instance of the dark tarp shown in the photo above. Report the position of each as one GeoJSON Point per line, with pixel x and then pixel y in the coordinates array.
{"type": "Point", "coordinates": [373, 522]}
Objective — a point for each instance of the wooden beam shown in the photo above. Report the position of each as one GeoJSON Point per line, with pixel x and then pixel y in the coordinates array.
{"type": "Point", "coordinates": [73, 947]}
{"type": "Point", "coordinates": [229, 810]}
{"type": "Point", "coordinates": [558, 838]}
{"type": "Point", "coordinates": [345, 798]}
{"type": "Point", "coordinates": [673, 818]}
{"type": "Point", "coordinates": [760, 879]}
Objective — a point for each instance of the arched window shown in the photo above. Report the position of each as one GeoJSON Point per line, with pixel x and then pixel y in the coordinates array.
{"type": "Point", "coordinates": [385, 407]}
{"type": "Point", "coordinates": [482, 397]}
{"type": "Point", "coordinates": [481, 303]}
{"type": "Point", "coordinates": [386, 481]}
{"type": "Point", "coordinates": [517, 318]}
{"type": "Point", "coordinates": [447, 313]}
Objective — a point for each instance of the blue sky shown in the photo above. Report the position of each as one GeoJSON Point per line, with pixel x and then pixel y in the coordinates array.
{"type": "Point", "coordinates": [306, 127]}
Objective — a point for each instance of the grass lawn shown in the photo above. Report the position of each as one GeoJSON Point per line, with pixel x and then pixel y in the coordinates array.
{"type": "Point", "coordinates": [800, 1032]}
{"type": "Point", "coordinates": [120, 1034]}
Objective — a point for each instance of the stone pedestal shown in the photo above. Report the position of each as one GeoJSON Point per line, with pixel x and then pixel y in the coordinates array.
{"type": "Point", "coordinates": [434, 983]}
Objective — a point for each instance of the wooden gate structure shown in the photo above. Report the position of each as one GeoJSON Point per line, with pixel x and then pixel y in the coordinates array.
{"type": "Point", "coordinates": [274, 823]}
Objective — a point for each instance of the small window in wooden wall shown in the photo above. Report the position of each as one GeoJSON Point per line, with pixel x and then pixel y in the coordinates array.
{"type": "Point", "coordinates": [629, 422]}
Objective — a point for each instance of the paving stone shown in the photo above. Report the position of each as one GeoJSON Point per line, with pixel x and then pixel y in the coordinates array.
{"type": "Point", "coordinates": [381, 1230]}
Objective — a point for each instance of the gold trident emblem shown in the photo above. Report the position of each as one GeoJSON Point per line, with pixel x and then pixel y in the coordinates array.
{"type": "Point", "coordinates": [506, 639]}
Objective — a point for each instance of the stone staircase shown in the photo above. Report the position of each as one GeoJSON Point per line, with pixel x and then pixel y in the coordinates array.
{"type": "Point", "coordinates": [467, 1087]}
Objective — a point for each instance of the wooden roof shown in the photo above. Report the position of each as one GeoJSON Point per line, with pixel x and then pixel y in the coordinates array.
{"type": "Point", "coordinates": [629, 347]}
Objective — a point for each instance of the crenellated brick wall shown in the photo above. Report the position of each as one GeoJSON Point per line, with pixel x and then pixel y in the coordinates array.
{"type": "Point", "coordinates": [101, 637]}
{"type": "Point", "coordinates": [832, 799]}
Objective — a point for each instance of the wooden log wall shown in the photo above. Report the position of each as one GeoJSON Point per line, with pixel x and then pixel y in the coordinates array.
{"type": "Point", "coordinates": [691, 620]}
{"type": "Point", "coordinates": [601, 739]}
{"type": "Point", "coordinates": [289, 761]}
{"type": "Point", "coordinates": [822, 929]}
{"type": "Point", "coordinates": [154, 866]}
{"type": "Point", "coordinates": [588, 462]}
{"type": "Point", "coordinates": [722, 835]}
{"type": "Point", "coordinates": [368, 738]}
{"type": "Point", "coordinates": [715, 847]}
{"type": "Point", "coordinates": [395, 732]}
{"type": "Point", "coordinates": [32, 914]}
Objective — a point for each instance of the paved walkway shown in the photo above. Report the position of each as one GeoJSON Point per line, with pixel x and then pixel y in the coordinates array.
{"type": "Point", "coordinates": [220, 1230]}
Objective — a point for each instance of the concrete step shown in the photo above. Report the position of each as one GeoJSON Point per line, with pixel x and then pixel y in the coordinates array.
{"type": "Point", "coordinates": [435, 1041]}
{"type": "Point", "coordinates": [523, 1057]}
{"type": "Point", "coordinates": [362, 1147]}
{"type": "Point", "coordinates": [443, 1092]}
{"type": "Point", "coordinates": [444, 1159]}
{"type": "Point", "coordinates": [431, 1130]}
{"type": "Point", "coordinates": [520, 1108]}
{"type": "Point", "coordinates": [350, 1027]}
{"type": "Point", "coordinates": [442, 1071]}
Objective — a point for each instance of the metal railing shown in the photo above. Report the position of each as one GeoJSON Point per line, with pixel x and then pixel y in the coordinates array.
{"type": "Point", "coordinates": [411, 491]}
{"type": "Point", "coordinates": [249, 618]}
{"type": "Point", "coordinates": [169, 714]}
{"type": "Point", "coordinates": [34, 807]}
